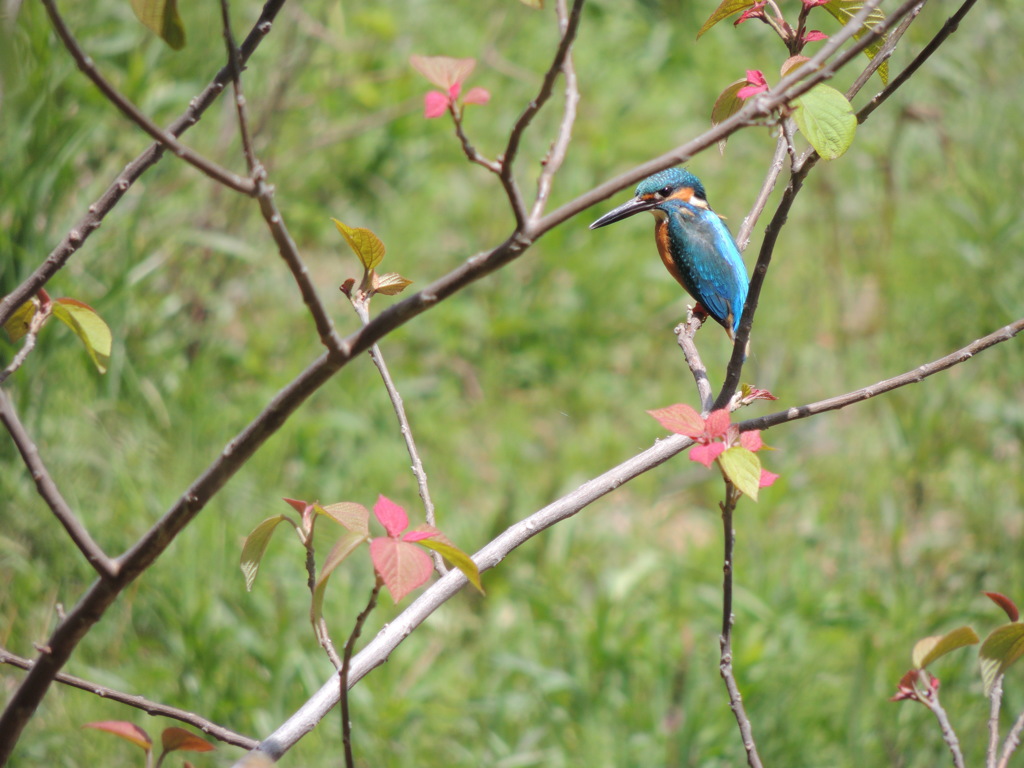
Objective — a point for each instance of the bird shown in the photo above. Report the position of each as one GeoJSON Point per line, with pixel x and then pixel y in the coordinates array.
{"type": "Point", "coordinates": [694, 243]}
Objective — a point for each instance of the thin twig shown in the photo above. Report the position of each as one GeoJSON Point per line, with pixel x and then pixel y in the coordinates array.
{"type": "Point", "coordinates": [516, 134]}
{"type": "Point", "coordinates": [133, 113]}
{"type": "Point", "coordinates": [98, 559]}
{"type": "Point", "coordinates": [728, 506]}
{"type": "Point", "coordinates": [995, 699]}
{"type": "Point", "coordinates": [767, 186]}
{"type": "Point", "coordinates": [468, 149]}
{"type": "Point", "coordinates": [154, 708]}
{"type": "Point", "coordinates": [42, 310]}
{"type": "Point", "coordinates": [560, 148]}
{"type": "Point", "coordinates": [235, 66]}
{"type": "Point", "coordinates": [931, 700]}
{"type": "Point", "coordinates": [361, 306]}
{"type": "Point", "coordinates": [380, 648]}
{"type": "Point", "coordinates": [684, 337]}
{"type": "Point", "coordinates": [1013, 739]}
{"type": "Point", "coordinates": [343, 682]}
{"type": "Point", "coordinates": [106, 202]}
{"type": "Point", "coordinates": [323, 636]}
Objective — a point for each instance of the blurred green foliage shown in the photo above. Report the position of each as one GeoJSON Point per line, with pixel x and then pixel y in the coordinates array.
{"type": "Point", "coordinates": [597, 642]}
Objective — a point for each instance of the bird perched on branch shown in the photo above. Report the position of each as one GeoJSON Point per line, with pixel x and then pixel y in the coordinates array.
{"type": "Point", "coordinates": [695, 245]}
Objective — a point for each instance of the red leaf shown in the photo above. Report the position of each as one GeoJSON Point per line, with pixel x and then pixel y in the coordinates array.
{"type": "Point", "coordinates": [435, 104]}
{"type": "Point", "coordinates": [681, 419]}
{"type": "Point", "coordinates": [706, 454]}
{"type": "Point", "coordinates": [814, 35]}
{"type": "Point", "coordinates": [127, 731]}
{"type": "Point", "coordinates": [476, 96]}
{"type": "Point", "coordinates": [296, 504]}
{"type": "Point", "coordinates": [1005, 603]}
{"type": "Point", "coordinates": [391, 516]}
{"type": "Point", "coordinates": [178, 739]}
{"type": "Point", "coordinates": [767, 478]}
{"type": "Point", "coordinates": [752, 440]}
{"type": "Point", "coordinates": [718, 423]}
{"type": "Point", "coordinates": [756, 11]}
{"type": "Point", "coordinates": [402, 566]}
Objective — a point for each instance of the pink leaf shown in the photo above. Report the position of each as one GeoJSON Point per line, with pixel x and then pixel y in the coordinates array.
{"type": "Point", "coordinates": [814, 35]}
{"type": "Point", "coordinates": [767, 478]}
{"type": "Point", "coordinates": [125, 730]}
{"type": "Point", "coordinates": [718, 423]}
{"type": "Point", "coordinates": [756, 11]}
{"type": "Point", "coordinates": [812, 3]}
{"type": "Point", "coordinates": [454, 91]}
{"type": "Point", "coordinates": [402, 566]}
{"type": "Point", "coordinates": [421, 532]}
{"type": "Point", "coordinates": [443, 71]}
{"type": "Point", "coordinates": [391, 516]}
{"type": "Point", "coordinates": [706, 454]}
{"type": "Point", "coordinates": [681, 419]}
{"type": "Point", "coordinates": [752, 440]}
{"type": "Point", "coordinates": [476, 96]}
{"type": "Point", "coordinates": [435, 104]}
{"type": "Point", "coordinates": [297, 505]}
{"type": "Point", "coordinates": [757, 84]}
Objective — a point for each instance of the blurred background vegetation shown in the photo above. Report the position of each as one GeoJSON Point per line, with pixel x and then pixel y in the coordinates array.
{"type": "Point", "coordinates": [597, 642]}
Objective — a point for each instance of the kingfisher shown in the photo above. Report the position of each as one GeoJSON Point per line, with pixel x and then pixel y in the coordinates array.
{"type": "Point", "coordinates": [694, 243]}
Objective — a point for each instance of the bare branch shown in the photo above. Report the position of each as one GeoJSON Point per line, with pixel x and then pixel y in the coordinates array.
{"type": "Point", "coordinates": [556, 156]}
{"type": "Point", "coordinates": [995, 699]}
{"type": "Point", "coordinates": [47, 488]}
{"type": "Point", "coordinates": [99, 209]}
{"type": "Point", "coordinates": [767, 186]}
{"type": "Point", "coordinates": [133, 113]}
{"type": "Point", "coordinates": [380, 648]}
{"type": "Point", "coordinates": [684, 337]}
{"type": "Point", "coordinates": [948, 734]}
{"type": "Point", "coordinates": [235, 67]}
{"type": "Point", "coordinates": [1013, 739]}
{"type": "Point", "coordinates": [154, 708]}
{"type": "Point", "coordinates": [343, 685]}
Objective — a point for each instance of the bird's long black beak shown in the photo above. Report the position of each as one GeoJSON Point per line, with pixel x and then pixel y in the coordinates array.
{"type": "Point", "coordinates": [624, 211]}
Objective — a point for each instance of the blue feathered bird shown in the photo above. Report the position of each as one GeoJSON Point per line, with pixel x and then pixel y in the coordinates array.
{"type": "Point", "coordinates": [695, 245]}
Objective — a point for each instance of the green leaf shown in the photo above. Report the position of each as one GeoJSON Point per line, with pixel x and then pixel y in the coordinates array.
{"type": "Point", "coordinates": [742, 468]}
{"type": "Point", "coordinates": [89, 327]}
{"type": "Point", "coordinates": [929, 649]}
{"type": "Point", "coordinates": [161, 17]}
{"type": "Point", "coordinates": [348, 514]}
{"type": "Point", "coordinates": [342, 548]}
{"type": "Point", "coordinates": [844, 10]}
{"type": "Point", "coordinates": [17, 324]}
{"type": "Point", "coordinates": [726, 105]}
{"type": "Point", "coordinates": [724, 11]}
{"type": "Point", "coordinates": [456, 557]}
{"type": "Point", "coordinates": [367, 246]}
{"type": "Point", "coordinates": [826, 120]}
{"type": "Point", "coordinates": [254, 547]}
{"type": "Point", "coordinates": [1000, 650]}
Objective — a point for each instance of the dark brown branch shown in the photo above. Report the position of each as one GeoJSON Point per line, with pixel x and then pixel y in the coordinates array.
{"type": "Point", "coordinates": [235, 67]}
{"type": "Point", "coordinates": [99, 209]}
{"type": "Point", "coordinates": [47, 488]}
{"type": "Point", "coordinates": [154, 708]}
{"type": "Point", "coordinates": [133, 113]}
{"type": "Point", "coordinates": [343, 682]}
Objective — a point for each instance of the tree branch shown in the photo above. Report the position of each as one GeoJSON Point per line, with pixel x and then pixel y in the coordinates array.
{"type": "Point", "coordinates": [154, 708]}
{"type": "Point", "coordinates": [99, 209]}
{"type": "Point", "coordinates": [133, 113]}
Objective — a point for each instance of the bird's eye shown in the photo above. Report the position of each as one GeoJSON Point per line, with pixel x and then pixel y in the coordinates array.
{"type": "Point", "coordinates": [664, 191]}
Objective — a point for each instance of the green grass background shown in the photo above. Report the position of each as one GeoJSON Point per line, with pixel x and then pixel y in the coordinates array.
{"type": "Point", "coordinates": [597, 642]}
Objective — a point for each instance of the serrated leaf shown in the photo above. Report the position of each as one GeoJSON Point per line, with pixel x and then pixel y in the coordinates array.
{"type": "Point", "coordinates": [844, 10]}
{"type": "Point", "coordinates": [161, 17]}
{"type": "Point", "coordinates": [18, 323]}
{"type": "Point", "coordinates": [124, 730]}
{"type": "Point", "coordinates": [458, 558]}
{"type": "Point", "coordinates": [826, 119]}
{"type": "Point", "coordinates": [726, 105]}
{"type": "Point", "coordinates": [367, 246]}
{"type": "Point", "coordinates": [743, 469]}
{"type": "Point", "coordinates": [255, 546]}
{"type": "Point", "coordinates": [354, 517]}
{"type": "Point", "coordinates": [681, 419]}
{"type": "Point", "coordinates": [724, 11]}
{"type": "Point", "coordinates": [390, 283]}
{"type": "Point", "coordinates": [402, 566]}
{"type": "Point", "coordinates": [89, 327]}
{"type": "Point", "coordinates": [1002, 648]}
{"type": "Point", "coordinates": [928, 649]}
{"type": "Point", "coordinates": [176, 739]}
{"type": "Point", "coordinates": [342, 548]}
